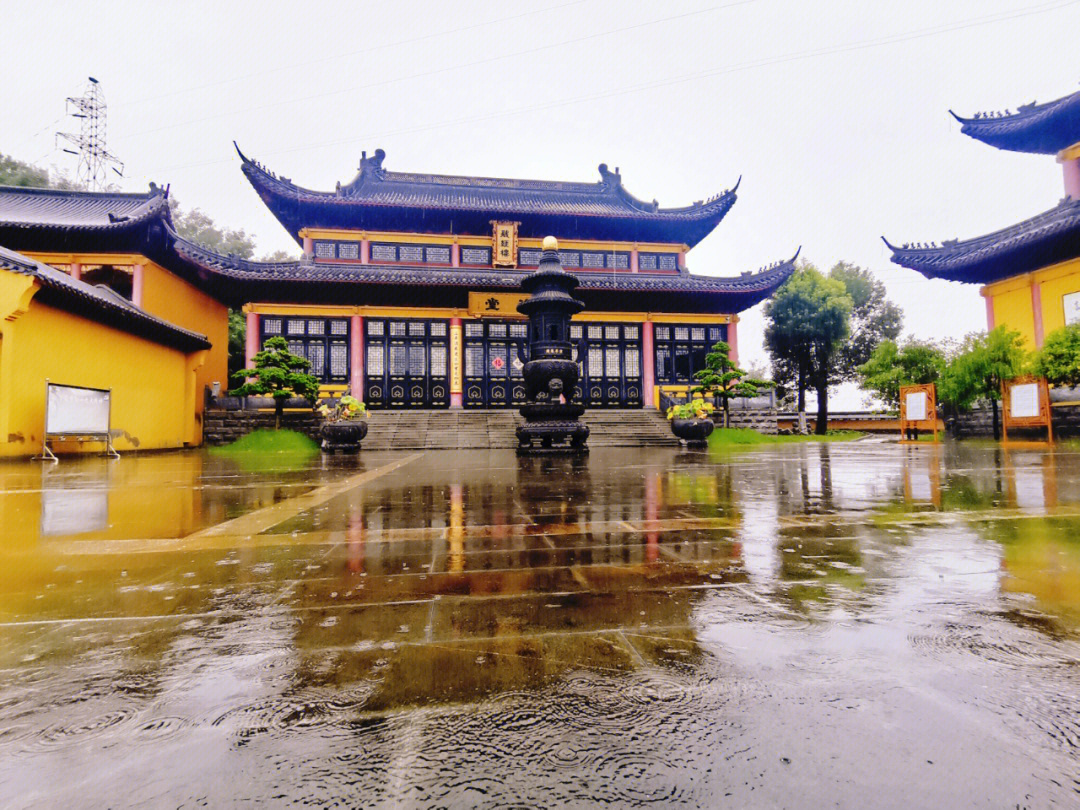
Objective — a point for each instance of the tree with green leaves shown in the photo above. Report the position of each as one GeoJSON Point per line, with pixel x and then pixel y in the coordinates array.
{"type": "Point", "coordinates": [976, 372]}
{"type": "Point", "coordinates": [722, 378]}
{"type": "Point", "coordinates": [279, 373]}
{"type": "Point", "coordinates": [1059, 358]}
{"type": "Point", "coordinates": [807, 322]}
{"type": "Point", "coordinates": [874, 318]}
{"type": "Point", "coordinates": [19, 173]}
{"type": "Point", "coordinates": [891, 366]}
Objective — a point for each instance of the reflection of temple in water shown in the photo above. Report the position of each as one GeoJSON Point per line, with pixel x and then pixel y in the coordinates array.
{"type": "Point", "coordinates": [511, 577]}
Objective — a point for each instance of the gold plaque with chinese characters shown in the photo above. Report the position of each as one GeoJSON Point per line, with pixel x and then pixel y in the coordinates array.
{"type": "Point", "coordinates": [504, 249]}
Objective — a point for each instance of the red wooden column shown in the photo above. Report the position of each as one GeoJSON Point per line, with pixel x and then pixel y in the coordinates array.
{"type": "Point", "coordinates": [648, 366]}
{"type": "Point", "coordinates": [634, 260]}
{"type": "Point", "coordinates": [365, 251]}
{"type": "Point", "coordinates": [733, 339]}
{"type": "Point", "coordinates": [989, 312]}
{"type": "Point", "coordinates": [137, 273]}
{"type": "Point", "coordinates": [251, 342]}
{"type": "Point", "coordinates": [1037, 312]}
{"type": "Point", "coordinates": [356, 356]}
{"type": "Point", "coordinates": [455, 255]}
{"type": "Point", "coordinates": [682, 259]}
{"type": "Point", "coordinates": [457, 359]}
{"type": "Point", "coordinates": [309, 247]}
{"type": "Point", "coordinates": [76, 270]}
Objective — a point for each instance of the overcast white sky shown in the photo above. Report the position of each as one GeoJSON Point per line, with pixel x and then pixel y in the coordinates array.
{"type": "Point", "coordinates": [834, 113]}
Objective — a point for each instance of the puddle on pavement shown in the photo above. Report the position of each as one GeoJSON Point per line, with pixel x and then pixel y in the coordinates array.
{"type": "Point", "coordinates": [855, 624]}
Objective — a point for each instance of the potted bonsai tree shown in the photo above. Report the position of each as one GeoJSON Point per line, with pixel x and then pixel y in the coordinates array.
{"type": "Point", "coordinates": [722, 379]}
{"type": "Point", "coordinates": [344, 425]}
{"type": "Point", "coordinates": [279, 373]}
{"type": "Point", "coordinates": [692, 421]}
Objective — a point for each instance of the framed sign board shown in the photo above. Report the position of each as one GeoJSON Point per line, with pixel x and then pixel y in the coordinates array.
{"type": "Point", "coordinates": [918, 409]}
{"type": "Point", "coordinates": [79, 413]}
{"type": "Point", "coordinates": [1025, 403]}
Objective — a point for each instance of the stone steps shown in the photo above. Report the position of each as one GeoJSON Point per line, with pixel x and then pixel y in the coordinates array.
{"type": "Point", "coordinates": [458, 430]}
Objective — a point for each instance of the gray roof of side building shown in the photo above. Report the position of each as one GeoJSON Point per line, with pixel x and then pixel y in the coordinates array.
{"type": "Point", "coordinates": [99, 303]}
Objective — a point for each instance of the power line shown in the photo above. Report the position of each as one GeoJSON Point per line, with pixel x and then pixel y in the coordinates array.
{"type": "Point", "coordinates": [446, 69]}
{"type": "Point", "coordinates": [915, 34]}
{"type": "Point", "coordinates": [94, 159]}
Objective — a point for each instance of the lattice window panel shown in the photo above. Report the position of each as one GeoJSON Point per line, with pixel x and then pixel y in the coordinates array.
{"type": "Point", "coordinates": [612, 360]}
{"type": "Point", "coordinates": [324, 250]}
{"type": "Point", "coordinates": [410, 253]}
{"type": "Point", "coordinates": [570, 258]}
{"type": "Point", "coordinates": [376, 328]}
{"type": "Point", "coordinates": [375, 360]}
{"type": "Point", "coordinates": [474, 361]}
{"type": "Point", "coordinates": [475, 256]}
{"type": "Point", "coordinates": [339, 328]}
{"type": "Point", "coordinates": [348, 250]}
{"type": "Point", "coordinates": [316, 327]}
{"type": "Point", "coordinates": [663, 333]}
{"type": "Point", "coordinates": [438, 329]}
{"type": "Point", "coordinates": [618, 261]}
{"type": "Point", "coordinates": [633, 363]}
{"type": "Point", "coordinates": [682, 333]}
{"type": "Point", "coordinates": [474, 329]}
{"type": "Point", "coordinates": [646, 261]}
{"type": "Point", "coordinates": [611, 333]}
{"type": "Point", "coordinates": [438, 255]}
{"type": "Point", "coordinates": [592, 260]}
{"type": "Point", "coordinates": [417, 361]}
{"type": "Point", "coordinates": [497, 330]}
{"type": "Point", "coordinates": [697, 333]}
{"type": "Point", "coordinates": [384, 253]}
{"type": "Point", "coordinates": [397, 328]}
{"type": "Point", "coordinates": [529, 257]}
{"type": "Point", "coordinates": [575, 332]}
{"type": "Point", "coordinates": [339, 359]}
{"type": "Point", "coordinates": [716, 333]}
{"type": "Point", "coordinates": [316, 353]}
{"type": "Point", "coordinates": [521, 330]}
{"type": "Point", "coordinates": [272, 326]}
{"type": "Point", "coordinates": [416, 328]}
{"type": "Point", "coordinates": [297, 348]}
{"type": "Point", "coordinates": [596, 362]}
{"type": "Point", "coordinates": [595, 332]}
{"type": "Point", "coordinates": [399, 361]}
{"type": "Point", "coordinates": [438, 360]}
{"type": "Point", "coordinates": [294, 327]}
{"type": "Point", "coordinates": [631, 332]}
{"type": "Point", "coordinates": [668, 262]}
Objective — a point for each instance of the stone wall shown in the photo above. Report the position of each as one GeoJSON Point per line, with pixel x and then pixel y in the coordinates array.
{"type": "Point", "coordinates": [763, 421]}
{"type": "Point", "coordinates": [222, 427]}
{"type": "Point", "coordinates": [979, 422]}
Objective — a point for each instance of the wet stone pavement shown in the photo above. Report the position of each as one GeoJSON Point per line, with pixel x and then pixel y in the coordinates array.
{"type": "Point", "coordinates": [855, 625]}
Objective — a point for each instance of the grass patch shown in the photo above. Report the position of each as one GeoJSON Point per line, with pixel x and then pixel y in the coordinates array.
{"type": "Point", "coordinates": [745, 437]}
{"type": "Point", "coordinates": [262, 449]}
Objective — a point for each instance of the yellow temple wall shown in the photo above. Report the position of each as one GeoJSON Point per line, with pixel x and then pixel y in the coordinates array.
{"type": "Point", "coordinates": [174, 300]}
{"type": "Point", "coordinates": [1014, 304]}
{"type": "Point", "coordinates": [153, 386]}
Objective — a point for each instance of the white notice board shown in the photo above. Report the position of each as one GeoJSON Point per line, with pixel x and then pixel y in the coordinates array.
{"type": "Point", "coordinates": [1072, 307]}
{"type": "Point", "coordinates": [1024, 401]}
{"type": "Point", "coordinates": [915, 406]}
{"type": "Point", "coordinates": [76, 411]}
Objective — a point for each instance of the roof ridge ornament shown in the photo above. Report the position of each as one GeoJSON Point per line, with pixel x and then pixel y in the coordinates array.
{"type": "Point", "coordinates": [373, 165]}
{"type": "Point", "coordinates": [610, 180]}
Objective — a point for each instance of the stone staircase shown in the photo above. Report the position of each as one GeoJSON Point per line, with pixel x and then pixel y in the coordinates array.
{"type": "Point", "coordinates": [490, 429]}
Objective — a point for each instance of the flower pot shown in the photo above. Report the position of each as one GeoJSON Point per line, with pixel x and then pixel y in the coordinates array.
{"type": "Point", "coordinates": [693, 432]}
{"type": "Point", "coordinates": [343, 435]}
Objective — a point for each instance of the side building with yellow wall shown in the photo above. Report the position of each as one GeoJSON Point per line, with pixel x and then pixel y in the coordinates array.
{"type": "Point", "coordinates": [56, 328]}
{"type": "Point", "coordinates": [1029, 272]}
{"type": "Point", "coordinates": [125, 242]}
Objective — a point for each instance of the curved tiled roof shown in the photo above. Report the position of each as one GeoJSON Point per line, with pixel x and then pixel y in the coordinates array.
{"type": "Point", "coordinates": [764, 282]}
{"type": "Point", "coordinates": [1040, 128]}
{"type": "Point", "coordinates": [1048, 238]}
{"type": "Point", "coordinates": [60, 290]}
{"type": "Point", "coordinates": [378, 199]}
{"type": "Point", "coordinates": [83, 210]}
